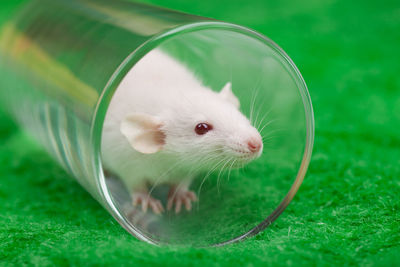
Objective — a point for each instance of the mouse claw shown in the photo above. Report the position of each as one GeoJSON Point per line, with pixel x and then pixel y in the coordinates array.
{"type": "Point", "coordinates": [157, 206]}
{"type": "Point", "coordinates": [179, 196]}
{"type": "Point", "coordinates": [146, 201]}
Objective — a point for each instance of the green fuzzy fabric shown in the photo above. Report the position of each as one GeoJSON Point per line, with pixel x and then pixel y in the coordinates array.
{"type": "Point", "coordinates": [345, 213]}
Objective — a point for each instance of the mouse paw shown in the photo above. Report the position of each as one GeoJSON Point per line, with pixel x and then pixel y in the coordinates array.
{"type": "Point", "coordinates": [147, 201]}
{"type": "Point", "coordinates": [179, 196]}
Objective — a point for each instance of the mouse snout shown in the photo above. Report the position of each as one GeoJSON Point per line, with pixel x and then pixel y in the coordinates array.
{"type": "Point", "coordinates": [254, 144]}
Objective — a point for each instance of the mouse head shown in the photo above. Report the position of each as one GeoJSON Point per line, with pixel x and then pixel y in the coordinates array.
{"type": "Point", "coordinates": [204, 128]}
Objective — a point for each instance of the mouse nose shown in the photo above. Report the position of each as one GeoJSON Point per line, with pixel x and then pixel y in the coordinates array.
{"type": "Point", "coordinates": [254, 144]}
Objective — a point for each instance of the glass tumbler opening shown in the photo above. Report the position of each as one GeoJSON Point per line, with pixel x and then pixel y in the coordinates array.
{"type": "Point", "coordinates": [218, 196]}
{"type": "Point", "coordinates": [189, 131]}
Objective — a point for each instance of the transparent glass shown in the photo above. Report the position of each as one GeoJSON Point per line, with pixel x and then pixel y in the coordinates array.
{"type": "Point", "coordinates": [62, 62]}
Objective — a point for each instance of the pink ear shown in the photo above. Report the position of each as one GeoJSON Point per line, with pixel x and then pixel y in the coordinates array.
{"type": "Point", "coordinates": [228, 95]}
{"type": "Point", "coordinates": [143, 132]}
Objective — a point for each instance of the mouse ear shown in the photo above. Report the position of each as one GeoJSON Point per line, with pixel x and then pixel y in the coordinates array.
{"type": "Point", "coordinates": [228, 95]}
{"type": "Point", "coordinates": [143, 132]}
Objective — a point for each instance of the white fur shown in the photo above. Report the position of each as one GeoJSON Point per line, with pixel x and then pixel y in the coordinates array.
{"type": "Point", "coordinates": [164, 89]}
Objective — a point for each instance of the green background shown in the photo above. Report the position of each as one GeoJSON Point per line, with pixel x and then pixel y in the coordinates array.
{"type": "Point", "coordinates": [347, 210]}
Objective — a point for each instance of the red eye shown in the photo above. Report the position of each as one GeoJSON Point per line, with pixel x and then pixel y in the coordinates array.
{"type": "Point", "coordinates": [202, 128]}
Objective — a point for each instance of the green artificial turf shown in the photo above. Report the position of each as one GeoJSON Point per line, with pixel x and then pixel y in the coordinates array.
{"type": "Point", "coordinates": [347, 210]}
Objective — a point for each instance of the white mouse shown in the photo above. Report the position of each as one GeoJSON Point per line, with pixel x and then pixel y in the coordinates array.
{"type": "Point", "coordinates": [164, 126]}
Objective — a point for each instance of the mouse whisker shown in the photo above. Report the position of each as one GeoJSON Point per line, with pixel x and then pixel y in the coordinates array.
{"type": "Point", "coordinates": [203, 162]}
{"type": "Point", "coordinates": [263, 118]}
{"type": "Point", "coordinates": [262, 104]}
{"type": "Point", "coordinates": [258, 113]}
{"type": "Point", "coordinates": [269, 138]}
{"type": "Point", "coordinates": [175, 166]}
{"type": "Point", "coordinates": [255, 91]}
{"type": "Point", "coordinates": [219, 174]}
{"type": "Point", "coordinates": [272, 132]}
{"type": "Point", "coordinates": [253, 99]}
{"type": "Point", "coordinates": [205, 178]}
{"type": "Point", "coordinates": [230, 168]}
{"type": "Point", "coordinates": [168, 171]}
{"type": "Point", "coordinates": [266, 125]}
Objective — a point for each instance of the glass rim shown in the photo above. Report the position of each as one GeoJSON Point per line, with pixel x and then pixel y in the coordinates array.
{"type": "Point", "coordinates": [120, 72]}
